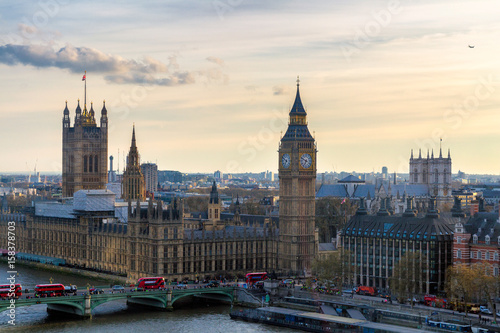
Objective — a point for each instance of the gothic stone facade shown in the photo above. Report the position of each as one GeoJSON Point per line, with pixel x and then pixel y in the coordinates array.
{"type": "Point", "coordinates": [155, 241]}
{"type": "Point", "coordinates": [433, 172]}
{"type": "Point", "coordinates": [297, 177]}
{"type": "Point", "coordinates": [85, 151]}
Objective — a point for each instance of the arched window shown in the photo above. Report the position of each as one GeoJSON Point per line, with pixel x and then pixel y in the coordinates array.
{"type": "Point", "coordinates": [436, 176]}
{"type": "Point", "coordinates": [487, 239]}
{"type": "Point", "coordinates": [90, 163]}
{"type": "Point", "coordinates": [474, 239]}
{"type": "Point", "coordinates": [84, 163]}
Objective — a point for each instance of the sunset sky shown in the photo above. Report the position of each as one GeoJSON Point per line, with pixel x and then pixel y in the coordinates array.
{"type": "Point", "coordinates": [209, 84]}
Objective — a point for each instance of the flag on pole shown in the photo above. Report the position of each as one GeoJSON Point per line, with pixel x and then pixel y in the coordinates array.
{"type": "Point", "coordinates": [84, 77]}
{"type": "Point", "coordinates": [343, 202]}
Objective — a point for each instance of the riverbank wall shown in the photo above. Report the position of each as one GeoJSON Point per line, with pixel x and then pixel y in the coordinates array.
{"type": "Point", "coordinates": [112, 279]}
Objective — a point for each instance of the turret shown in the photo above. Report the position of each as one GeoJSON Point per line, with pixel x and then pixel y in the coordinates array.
{"type": "Point", "coordinates": [104, 116]}
{"type": "Point", "coordinates": [66, 121]}
{"type": "Point", "coordinates": [78, 114]}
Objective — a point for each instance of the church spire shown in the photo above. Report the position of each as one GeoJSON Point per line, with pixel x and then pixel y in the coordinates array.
{"type": "Point", "coordinates": [133, 145]}
{"type": "Point", "coordinates": [449, 153]}
{"type": "Point", "coordinates": [214, 194]}
{"type": "Point", "coordinates": [440, 152]}
{"type": "Point", "coordinates": [297, 126]}
{"type": "Point", "coordinates": [297, 107]}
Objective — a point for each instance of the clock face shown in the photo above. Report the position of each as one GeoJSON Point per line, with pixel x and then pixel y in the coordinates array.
{"type": "Point", "coordinates": [285, 161]}
{"type": "Point", "coordinates": [305, 161]}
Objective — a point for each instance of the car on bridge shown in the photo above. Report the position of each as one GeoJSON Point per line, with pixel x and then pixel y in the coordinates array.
{"type": "Point", "coordinates": [212, 284]}
{"type": "Point", "coordinates": [118, 288]}
{"type": "Point", "coordinates": [71, 289]}
{"type": "Point", "coordinates": [95, 291]}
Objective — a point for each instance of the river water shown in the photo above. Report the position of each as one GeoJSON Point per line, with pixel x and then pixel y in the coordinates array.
{"type": "Point", "coordinates": [117, 316]}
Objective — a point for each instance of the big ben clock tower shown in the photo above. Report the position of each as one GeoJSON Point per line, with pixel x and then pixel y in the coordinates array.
{"type": "Point", "coordinates": [297, 174]}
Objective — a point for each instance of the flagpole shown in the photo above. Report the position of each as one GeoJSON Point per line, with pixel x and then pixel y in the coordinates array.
{"type": "Point", "coordinates": [85, 97]}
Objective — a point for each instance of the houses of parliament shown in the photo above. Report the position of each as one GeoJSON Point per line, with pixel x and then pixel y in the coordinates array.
{"type": "Point", "coordinates": [137, 236]}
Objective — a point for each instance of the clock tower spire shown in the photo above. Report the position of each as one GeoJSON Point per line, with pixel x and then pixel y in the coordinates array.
{"type": "Point", "coordinates": [297, 176]}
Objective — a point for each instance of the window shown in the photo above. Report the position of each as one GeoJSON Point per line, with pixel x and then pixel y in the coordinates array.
{"type": "Point", "coordinates": [487, 240]}
{"type": "Point", "coordinates": [436, 176]}
{"type": "Point", "coordinates": [459, 240]}
{"type": "Point", "coordinates": [95, 164]}
{"type": "Point", "coordinates": [415, 180]}
{"type": "Point", "coordinates": [479, 255]}
{"type": "Point", "coordinates": [495, 256]}
{"type": "Point", "coordinates": [487, 255]}
{"type": "Point", "coordinates": [495, 271]}
{"type": "Point", "coordinates": [459, 254]}
{"type": "Point", "coordinates": [474, 239]}
{"type": "Point", "coordinates": [471, 255]}
{"type": "Point", "coordinates": [84, 163]}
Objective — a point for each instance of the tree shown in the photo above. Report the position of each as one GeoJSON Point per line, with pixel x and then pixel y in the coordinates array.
{"type": "Point", "coordinates": [332, 215]}
{"type": "Point", "coordinates": [408, 276]}
{"type": "Point", "coordinates": [473, 283]}
{"type": "Point", "coordinates": [461, 284]}
{"type": "Point", "coordinates": [196, 203]}
{"type": "Point", "coordinates": [335, 268]}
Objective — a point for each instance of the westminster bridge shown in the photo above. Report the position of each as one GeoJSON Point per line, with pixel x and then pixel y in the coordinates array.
{"type": "Point", "coordinates": [83, 305]}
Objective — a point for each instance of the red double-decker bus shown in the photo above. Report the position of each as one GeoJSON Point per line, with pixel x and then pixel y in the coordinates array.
{"type": "Point", "coordinates": [251, 278]}
{"type": "Point", "coordinates": [151, 283]}
{"type": "Point", "coordinates": [7, 292]}
{"type": "Point", "coordinates": [48, 290]}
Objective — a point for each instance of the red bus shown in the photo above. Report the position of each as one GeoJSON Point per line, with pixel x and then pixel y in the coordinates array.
{"type": "Point", "coordinates": [151, 283]}
{"type": "Point", "coordinates": [368, 291]}
{"type": "Point", "coordinates": [6, 292]}
{"type": "Point", "coordinates": [251, 278]}
{"type": "Point", "coordinates": [48, 290]}
{"type": "Point", "coordinates": [432, 300]}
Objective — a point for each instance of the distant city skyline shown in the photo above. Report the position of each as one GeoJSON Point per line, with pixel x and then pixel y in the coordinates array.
{"type": "Point", "coordinates": [209, 84]}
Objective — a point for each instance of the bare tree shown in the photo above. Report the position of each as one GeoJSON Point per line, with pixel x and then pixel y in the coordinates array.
{"type": "Point", "coordinates": [336, 268]}
{"type": "Point", "coordinates": [407, 277]}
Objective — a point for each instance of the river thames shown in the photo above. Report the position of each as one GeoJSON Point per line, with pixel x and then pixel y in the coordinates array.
{"type": "Point", "coordinates": [117, 316]}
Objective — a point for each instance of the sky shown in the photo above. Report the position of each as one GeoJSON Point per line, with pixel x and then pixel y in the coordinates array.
{"type": "Point", "coordinates": [209, 84]}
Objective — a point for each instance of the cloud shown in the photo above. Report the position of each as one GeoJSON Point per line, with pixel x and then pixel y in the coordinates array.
{"type": "Point", "coordinates": [119, 70]}
{"type": "Point", "coordinates": [216, 60]}
{"type": "Point", "coordinates": [280, 90]}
